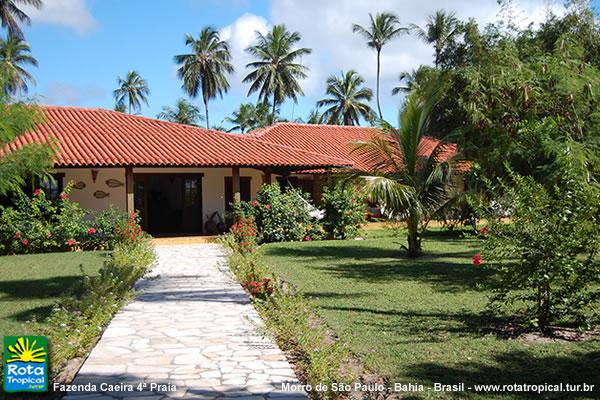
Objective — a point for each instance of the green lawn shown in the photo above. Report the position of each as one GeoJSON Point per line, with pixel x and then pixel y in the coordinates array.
{"type": "Point", "coordinates": [30, 284]}
{"type": "Point", "coordinates": [422, 320]}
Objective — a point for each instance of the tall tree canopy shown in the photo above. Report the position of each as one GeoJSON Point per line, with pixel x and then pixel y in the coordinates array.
{"type": "Point", "coordinates": [206, 67]}
{"type": "Point", "coordinates": [382, 28]}
{"type": "Point", "coordinates": [348, 100]}
{"type": "Point", "coordinates": [276, 72]}
{"type": "Point", "coordinates": [131, 92]}
{"type": "Point", "coordinates": [184, 112]}
{"type": "Point", "coordinates": [15, 56]}
{"type": "Point", "coordinates": [11, 15]}
{"type": "Point", "coordinates": [440, 28]}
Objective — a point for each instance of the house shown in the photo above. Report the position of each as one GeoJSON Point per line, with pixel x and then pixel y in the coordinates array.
{"type": "Point", "coordinates": [178, 176]}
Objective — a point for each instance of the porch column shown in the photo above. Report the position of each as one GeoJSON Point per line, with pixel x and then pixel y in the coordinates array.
{"type": "Point", "coordinates": [129, 189]}
{"type": "Point", "coordinates": [267, 177]}
{"type": "Point", "coordinates": [235, 183]}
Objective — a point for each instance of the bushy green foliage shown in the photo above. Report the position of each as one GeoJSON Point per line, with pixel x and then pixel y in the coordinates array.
{"type": "Point", "coordinates": [546, 256]}
{"type": "Point", "coordinates": [37, 224]}
{"type": "Point", "coordinates": [344, 211]}
{"type": "Point", "coordinates": [279, 216]}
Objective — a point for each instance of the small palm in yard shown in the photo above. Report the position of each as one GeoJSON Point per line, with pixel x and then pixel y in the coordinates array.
{"type": "Point", "coordinates": [383, 28]}
{"type": "Point", "coordinates": [132, 92]}
{"type": "Point", "coordinates": [184, 112]}
{"type": "Point", "coordinates": [15, 54]}
{"type": "Point", "coordinates": [276, 71]}
{"type": "Point", "coordinates": [348, 100]}
{"type": "Point", "coordinates": [410, 179]}
{"type": "Point", "coordinates": [205, 69]}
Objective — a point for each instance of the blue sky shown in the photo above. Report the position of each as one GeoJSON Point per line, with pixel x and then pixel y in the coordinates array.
{"type": "Point", "coordinates": [83, 45]}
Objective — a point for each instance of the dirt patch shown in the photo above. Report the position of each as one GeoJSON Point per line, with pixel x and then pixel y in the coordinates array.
{"type": "Point", "coordinates": [558, 335]}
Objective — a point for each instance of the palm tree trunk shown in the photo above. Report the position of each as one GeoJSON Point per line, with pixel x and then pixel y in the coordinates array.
{"type": "Point", "coordinates": [130, 107]}
{"type": "Point", "coordinates": [414, 244]}
{"type": "Point", "coordinates": [378, 73]}
{"type": "Point", "coordinates": [437, 57]}
{"type": "Point", "coordinates": [205, 98]}
{"type": "Point", "coordinates": [274, 107]}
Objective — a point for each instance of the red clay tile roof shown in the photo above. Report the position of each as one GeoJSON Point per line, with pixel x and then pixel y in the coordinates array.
{"type": "Point", "coordinates": [99, 137]}
{"type": "Point", "coordinates": [333, 140]}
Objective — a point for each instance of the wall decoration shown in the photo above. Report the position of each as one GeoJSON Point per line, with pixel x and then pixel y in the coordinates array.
{"type": "Point", "coordinates": [79, 185]}
{"type": "Point", "coordinates": [94, 175]}
{"type": "Point", "coordinates": [99, 194]}
{"type": "Point", "coordinates": [113, 183]}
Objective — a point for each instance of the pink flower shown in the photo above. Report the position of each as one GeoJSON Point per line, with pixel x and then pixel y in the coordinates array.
{"type": "Point", "coordinates": [37, 192]}
{"type": "Point", "coordinates": [307, 238]}
{"type": "Point", "coordinates": [63, 196]}
{"type": "Point", "coordinates": [254, 203]}
{"type": "Point", "coordinates": [477, 259]}
{"type": "Point", "coordinates": [92, 231]}
{"type": "Point", "coordinates": [268, 206]}
{"type": "Point", "coordinates": [17, 235]}
{"type": "Point", "coordinates": [71, 242]}
{"type": "Point", "coordinates": [25, 242]}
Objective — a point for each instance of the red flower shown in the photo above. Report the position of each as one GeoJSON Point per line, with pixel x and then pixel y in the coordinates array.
{"type": "Point", "coordinates": [484, 231]}
{"type": "Point", "coordinates": [477, 259]}
{"type": "Point", "coordinates": [17, 235]}
{"type": "Point", "coordinates": [133, 215]}
{"type": "Point", "coordinates": [307, 238]}
{"type": "Point", "coordinates": [37, 192]}
{"type": "Point", "coordinates": [63, 196]}
{"type": "Point", "coordinates": [25, 242]}
{"type": "Point", "coordinates": [71, 242]}
{"type": "Point", "coordinates": [92, 231]}
{"type": "Point", "coordinates": [268, 206]}
{"type": "Point", "coordinates": [254, 203]}
{"type": "Point", "coordinates": [269, 290]}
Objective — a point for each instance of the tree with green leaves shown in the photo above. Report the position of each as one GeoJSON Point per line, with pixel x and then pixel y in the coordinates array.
{"type": "Point", "coordinates": [11, 15]}
{"type": "Point", "coordinates": [276, 72]}
{"type": "Point", "coordinates": [243, 119]}
{"type": "Point", "coordinates": [314, 117]}
{"type": "Point", "coordinates": [15, 55]}
{"type": "Point", "coordinates": [439, 30]}
{"type": "Point", "coordinates": [348, 100]}
{"type": "Point", "coordinates": [18, 165]}
{"type": "Point", "coordinates": [184, 112]}
{"type": "Point", "coordinates": [409, 179]}
{"type": "Point", "coordinates": [132, 91]}
{"type": "Point", "coordinates": [383, 28]}
{"type": "Point", "coordinates": [205, 68]}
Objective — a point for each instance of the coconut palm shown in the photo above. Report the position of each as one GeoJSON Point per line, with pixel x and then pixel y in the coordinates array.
{"type": "Point", "coordinates": [439, 29]}
{"type": "Point", "coordinates": [132, 91]}
{"type": "Point", "coordinates": [383, 28]}
{"type": "Point", "coordinates": [410, 81]}
{"type": "Point", "coordinates": [11, 15]}
{"type": "Point", "coordinates": [244, 118]}
{"type": "Point", "coordinates": [14, 56]}
{"type": "Point", "coordinates": [206, 67]}
{"type": "Point", "coordinates": [314, 117]}
{"type": "Point", "coordinates": [276, 72]}
{"type": "Point", "coordinates": [348, 99]}
{"type": "Point", "coordinates": [410, 179]}
{"type": "Point", "coordinates": [184, 112]}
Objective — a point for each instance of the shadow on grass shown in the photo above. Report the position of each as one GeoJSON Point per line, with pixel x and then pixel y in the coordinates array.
{"type": "Point", "coordinates": [17, 290]}
{"type": "Point", "coordinates": [518, 367]}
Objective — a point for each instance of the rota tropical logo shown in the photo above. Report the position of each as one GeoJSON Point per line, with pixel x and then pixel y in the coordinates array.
{"type": "Point", "coordinates": [25, 364]}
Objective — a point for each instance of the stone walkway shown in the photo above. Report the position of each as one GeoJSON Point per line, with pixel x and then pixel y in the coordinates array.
{"type": "Point", "coordinates": [191, 329]}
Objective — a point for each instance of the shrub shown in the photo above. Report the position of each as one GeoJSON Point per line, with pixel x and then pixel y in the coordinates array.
{"type": "Point", "coordinates": [243, 235]}
{"type": "Point", "coordinates": [102, 227]}
{"type": "Point", "coordinates": [344, 211]}
{"type": "Point", "coordinates": [545, 257]}
{"type": "Point", "coordinates": [279, 216]}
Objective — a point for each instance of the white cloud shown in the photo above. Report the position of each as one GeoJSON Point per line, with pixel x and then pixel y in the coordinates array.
{"type": "Point", "coordinates": [326, 27]}
{"type": "Point", "coordinates": [61, 93]}
{"type": "Point", "coordinates": [241, 34]}
{"type": "Point", "coordinates": [73, 14]}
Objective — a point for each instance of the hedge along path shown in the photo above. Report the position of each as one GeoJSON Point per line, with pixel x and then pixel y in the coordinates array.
{"type": "Point", "coordinates": [190, 326]}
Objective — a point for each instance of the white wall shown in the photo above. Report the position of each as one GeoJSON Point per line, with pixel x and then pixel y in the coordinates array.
{"type": "Point", "coordinates": [85, 197]}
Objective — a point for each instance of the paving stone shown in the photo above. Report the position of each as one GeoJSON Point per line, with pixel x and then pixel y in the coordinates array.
{"type": "Point", "coordinates": [190, 325]}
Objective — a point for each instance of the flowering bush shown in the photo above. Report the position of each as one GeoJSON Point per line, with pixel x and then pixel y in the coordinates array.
{"type": "Point", "coordinates": [243, 234]}
{"type": "Point", "coordinates": [38, 224]}
{"type": "Point", "coordinates": [344, 211]}
{"type": "Point", "coordinates": [129, 231]}
{"type": "Point", "coordinates": [258, 288]}
{"type": "Point", "coordinates": [279, 216]}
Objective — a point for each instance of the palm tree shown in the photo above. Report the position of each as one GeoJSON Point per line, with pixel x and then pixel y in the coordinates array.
{"type": "Point", "coordinates": [409, 178]}
{"type": "Point", "coordinates": [348, 99]}
{"type": "Point", "coordinates": [14, 56]}
{"type": "Point", "coordinates": [409, 78]}
{"type": "Point", "coordinates": [314, 117]}
{"type": "Point", "coordinates": [132, 90]}
{"type": "Point", "coordinates": [10, 14]}
{"type": "Point", "coordinates": [440, 28]}
{"type": "Point", "coordinates": [184, 112]}
{"type": "Point", "coordinates": [205, 68]}
{"type": "Point", "coordinates": [383, 28]}
{"type": "Point", "coordinates": [244, 118]}
{"type": "Point", "coordinates": [276, 73]}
